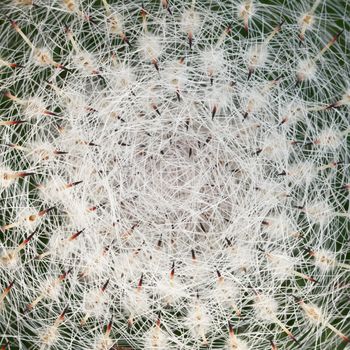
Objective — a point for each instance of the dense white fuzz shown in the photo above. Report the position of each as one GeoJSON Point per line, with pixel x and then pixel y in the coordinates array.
{"type": "Point", "coordinates": [293, 113]}
{"type": "Point", "coordinates": [302, 173]}
{"type": "Point", "coordinates": [213, 62]}
{"type": "Point", "coordinates": [190, 21]}
{"type": "Point", "coordinates": [48, 337]}
{"type": "Point", "coordinates": [280, 265]}
{"type": "Point", "coordinates": [199, 321]}
{"type": "Point", "coordinates": [174, 175]}
{"type": "Point", "coordinates": [306, 70]}
{"type": "Point", "coordinates": [135, 303]}
{"type": "Point", "coordinates": [71, 5]}
{"type": "Point", "coordinates": [170, 290]}
{"type": "Point", "coordinates": [104, 343]}
{"type": "Point", "coordinates": [6, 177]}
{"type": "Point", "coordinates": [265, 307]}
{"type": "Point", "coordinates": [324, 259]}
{"type": "Point", "coordinates": [329, 138]}
{"type": "Point", "coordinates": [306, 21]}
{"type": "Point", "coordinates": [227, 294]}
{"type": "Point", "coordinates": [246, 11]}
{"type": "Point", "coordinates": [122, 79]}
{"type": "Point", "coordinates": [278, 226]}
{"type": "Point", "coordinates": [319, 212]}
{"type": "Point", "coordinates": [84, 61]}
{"type": "Point", "coordinates": [236, 344]}
{"type": "Point", "coordinates": [8, 258]}
{"type": "Point", "coordinates": [51, 289]}
{"type": "Point", "coordinates": [116, 23]}
{"type": "Point", "coordinates": [150, 47]}
{"type": "Point", "coordinates": [94, 304]}
{"type": "Point", "coordinates": [156, 339]}
{"type": "Point", "coordinates": [256, 56]}
{"type": "Point", "coordinates": [43, 57]}
{"type": "Point", "coordinates": [312, 312]}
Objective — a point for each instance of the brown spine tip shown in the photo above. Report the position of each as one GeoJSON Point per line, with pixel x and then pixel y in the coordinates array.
{"type": "Point", "coordinates": [155, 108]}
{"type": "Point", "coordinates": [281, 23]}
{"type": "Point", "coordinates": [284, 120]}
{"type": "Point", "coordinates": [336, 36]}
{"type": "Point", "coordinates": [213, 112]}
{"type": "Point", "coordinates": [104, 287]}
{"type": "Point", "coordinates": [45, 211]}
{"type": "Point", "coordinates": [25, 174]}
{"type": "Point", "coordinates": [291, 336]}
{"type": "Point", "coordinates": [250, 73]}
{"type": "Point", "coordinates": [158, 319]}
{"type": "Point", "coordinates": [311, 279]}
{"type": "Point", "coordinates": [72, 184]}
{"type": "Point", "coordinates": [126, 40]}
{"type": "Point", "coordinates": [297, 299]}
{"type": "Point", "coordinates": [13, 23]}
{"type": "Point", "coordinates": [46, 112]}
{"type": "Point", "coordinates": [193, 253]}
{"type": "Point", "coordinates": [178, 95]}
{"type": "Point", "coordinates": [65, 274]}
{"type": "Point", "coordinates": [16, 122]}
{"type": "Point", "coordinates": [172, 272]}
{"type": "Point", "coordinates": [61, 66]}
{"type": "Point", "coordinates": [76, 235]}
{"type": "Point", "coordinates": [159, 243]}
{"type": "Point", "coordinates": [8, 288]}
{"type": "Point", "coordinates": [109, 326]}
{"type": "Point", "coordinates": [29, 237]}
{"type": "Point", "coordinates": [346, 339]}
{"type": "Point", "coordinates": [28, 308]}
{"type": "Point", "coordinates": [61, 317]}
{"type": "Point", "coordinates": [143, 12]}
{"type": "Point", "coordinates": [230, 329]}
{"type": "Point", "coordinates": [59, 153]}
{"type": "Point", "coordinates": [15, 65]}
{"type": "Point", "coordinates": [155, 64]}
{"type": "Point", "coordinates": [190, 40]}
{"type": "Point", "coordinates": [139, 285]}
{"type": "Point", "coordinates": [332, 105]}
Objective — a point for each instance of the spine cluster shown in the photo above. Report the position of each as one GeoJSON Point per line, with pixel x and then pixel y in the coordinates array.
{"type": "Point", "coordinates": [174, 175]}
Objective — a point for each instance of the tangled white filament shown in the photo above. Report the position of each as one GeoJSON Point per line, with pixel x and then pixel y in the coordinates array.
{"type": "Point", "coordinates": [174, 175]}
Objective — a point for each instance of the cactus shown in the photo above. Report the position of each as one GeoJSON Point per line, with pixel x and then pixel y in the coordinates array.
{"type": "Point", "coordinates": [174, 175]}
